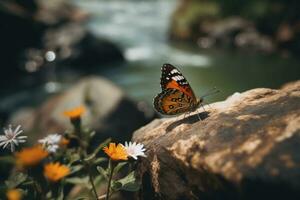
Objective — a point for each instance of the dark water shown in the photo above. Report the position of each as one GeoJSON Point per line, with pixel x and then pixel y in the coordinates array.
{"type": "Point", "coordinates": [140, 29]}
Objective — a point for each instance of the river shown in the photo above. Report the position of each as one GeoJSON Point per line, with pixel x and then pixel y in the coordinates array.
{"type": "Point", "coordinates": [140, 28]}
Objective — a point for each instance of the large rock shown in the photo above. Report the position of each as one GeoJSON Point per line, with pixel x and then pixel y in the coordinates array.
{"type": "Point", "coordinates": [108, 111]}
{"type": "Point", "coordinates": [246, 147]}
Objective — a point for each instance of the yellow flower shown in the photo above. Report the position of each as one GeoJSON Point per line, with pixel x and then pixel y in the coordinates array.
{"type": "Point", "coordinates": [116, 152]}
{"type": "Point", "coordinates": [55, 171]}
{"type": "Point", "coordinates": [75, 112]}
{"type": "Point", "coordinates": [13, 194]}
{"type": "Point", "coordinates": [31, 156]}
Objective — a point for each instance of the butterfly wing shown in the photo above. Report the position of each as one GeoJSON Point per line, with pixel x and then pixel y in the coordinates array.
{"type": "Point", "coordinates": [171, 77]}
{"type": "Point", "coordinates": [172, 102]}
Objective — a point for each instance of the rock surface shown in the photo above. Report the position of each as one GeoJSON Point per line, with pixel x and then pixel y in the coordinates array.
{"type": "Point", "coordinates": [246, 147]}
{"type": "Point", "coordinates": [108, 111]}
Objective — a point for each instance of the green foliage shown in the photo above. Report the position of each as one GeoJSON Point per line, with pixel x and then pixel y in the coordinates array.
{"type": "Point", "coordinates": [15, 180]}
{"type": "Point", "coordinates": [119, 167]}
{"type": "Point", "coordinates": [103, 172]}
{"type": "Point", "coordinates": [128, 183]}
{"type": "Point", "coordinates": [85, 168]}
{"type": "Point", "coordinates": [78, 180]}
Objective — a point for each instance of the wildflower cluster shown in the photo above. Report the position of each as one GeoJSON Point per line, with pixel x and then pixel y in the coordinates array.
{"type": "Point", "coordinates": [57, 162]}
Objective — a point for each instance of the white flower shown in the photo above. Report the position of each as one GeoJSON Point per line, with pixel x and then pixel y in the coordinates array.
{"type": "Point", "coordinates": [135, 149]}
{"type": "Point", "coordinates": [11, 137]}
{"type": "Point", "coordinates": [51, 142]}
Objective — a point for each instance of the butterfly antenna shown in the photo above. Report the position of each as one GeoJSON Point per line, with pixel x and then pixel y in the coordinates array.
{"type": "Point", "coordinates": [211, 92]}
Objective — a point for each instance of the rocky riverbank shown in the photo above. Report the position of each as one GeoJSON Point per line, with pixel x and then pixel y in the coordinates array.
{"type": "Point", "coordinates": [246, 147]}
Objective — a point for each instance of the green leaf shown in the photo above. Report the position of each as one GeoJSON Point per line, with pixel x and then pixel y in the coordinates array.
{"type": "Point", "coordinates": [103, 172]}
{"type": "Point", "coordinates": [78, 180]}
{"type": "Point", "coordinates": [90, 157]}
{"type": "Point", "coordinates": [119, 167]}
{"type": "Point", "coordinates": [116, 185]}
{"type": "Point", "coordinates": [60, 195]}
{"type": "Point", "coordinates": [92, 134]}
{"type": "Point", "coordinates": [127, 179]}
{"type": "Point", "coordinates": [49, 195]}
{"type": "Point", "coordinates": [132, 187]}
{"type": "Point", "coordinates": [129, 183]}
{"type": "Point", "coordinates": [76, 168]}
{"type": "Point", "coordinates": [98, 180]}
{"type": "Point", "coordinates": [28, 182]}
{"type": "Point", "coordinates": [73, 157]}
{"type": "Point", "coordinates": [99, 160]}
{"type": "Point", "coordinates": [15, 180]}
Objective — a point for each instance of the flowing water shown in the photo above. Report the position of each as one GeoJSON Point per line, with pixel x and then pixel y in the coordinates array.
{"type": "Point", "coordinates": [140, 28]}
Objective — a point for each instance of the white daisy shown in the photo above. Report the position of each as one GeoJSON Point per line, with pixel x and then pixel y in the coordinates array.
{"type": "Point", "coordinates": [51, 142]}
{"type": "Point", "coordinates": [135, 149]}
{"type": "Point", "coordinates": [11, 137]}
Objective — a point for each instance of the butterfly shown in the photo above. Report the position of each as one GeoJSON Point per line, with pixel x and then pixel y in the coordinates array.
{"type": "Point", "coordinates": [177, 96]}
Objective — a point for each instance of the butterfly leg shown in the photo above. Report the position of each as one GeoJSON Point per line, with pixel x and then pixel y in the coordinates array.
{"type": "Point", "coordinates": [203, 107]}
{"type": "Point", "coordinates": [185, 114]}
{"type": "Point", "coordinates": [198, 114]}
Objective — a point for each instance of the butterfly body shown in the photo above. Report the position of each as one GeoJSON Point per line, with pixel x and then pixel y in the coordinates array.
{"type": "Point", "coordinates": [177, 96]}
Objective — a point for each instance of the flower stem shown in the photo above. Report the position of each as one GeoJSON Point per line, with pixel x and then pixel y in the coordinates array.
{"type": "Point", "coordinates": [38, 188]}
{"type": "Point", "coordinates": [92, 182]}
{"type": "Point", "coordinates": [109, 180]}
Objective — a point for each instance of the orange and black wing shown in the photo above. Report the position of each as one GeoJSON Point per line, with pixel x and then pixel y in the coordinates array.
{"type": "Point", "coordinates": [171, 77]}
{"type": "Point", "coordinates": [172, 102]}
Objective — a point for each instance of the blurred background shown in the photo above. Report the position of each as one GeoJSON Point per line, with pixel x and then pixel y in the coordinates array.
{"type": "Point", "coordinates": [49, 45]}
